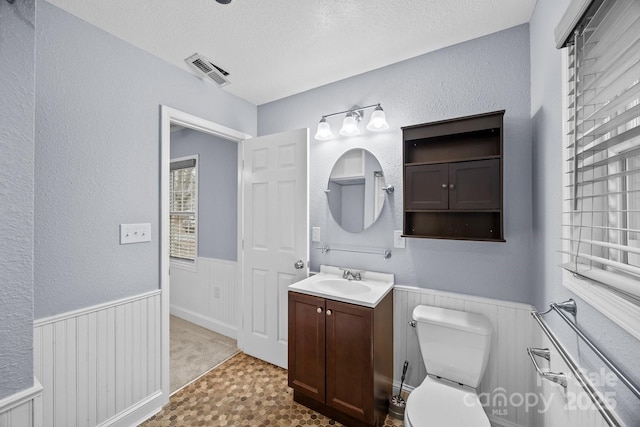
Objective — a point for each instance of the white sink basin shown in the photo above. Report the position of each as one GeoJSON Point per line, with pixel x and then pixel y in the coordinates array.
{"type": "Point", "coordinates": [329, 284]}
{"type": "Point", "coordinates": [341, 286]}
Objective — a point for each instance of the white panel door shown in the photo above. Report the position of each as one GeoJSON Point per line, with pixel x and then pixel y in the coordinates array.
{"type": "Point", "coordinates": [275, 226]}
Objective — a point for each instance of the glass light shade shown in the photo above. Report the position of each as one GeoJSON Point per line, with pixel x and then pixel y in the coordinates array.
{"type": "Point", "coordinates": [324, 131]}
{"type": "Point", "coordinates": [378, 120]}
{"type": "Point", "coordinates": [349, 126]}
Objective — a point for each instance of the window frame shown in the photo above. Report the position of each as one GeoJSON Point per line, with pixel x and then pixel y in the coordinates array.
{"type": "Point", "coordinates": [622, 309]}
{"type": "Point", "coordinates": [183, 263]}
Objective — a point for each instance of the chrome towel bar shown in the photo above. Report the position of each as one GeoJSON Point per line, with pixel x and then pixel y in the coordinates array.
{"type": "Point", "coordinates": [556, 377]}
{"type": "Point", "coordinates": [384, 252]}
{"type": "Point", "coordinates": [586, 385]}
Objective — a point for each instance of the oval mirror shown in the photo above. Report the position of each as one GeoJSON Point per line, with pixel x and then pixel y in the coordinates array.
{"type": "Point", "coordinates": [355, 192]}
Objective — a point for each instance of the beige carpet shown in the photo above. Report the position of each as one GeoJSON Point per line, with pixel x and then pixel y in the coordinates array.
{"type": "Point", "coordinates": [194, 351]}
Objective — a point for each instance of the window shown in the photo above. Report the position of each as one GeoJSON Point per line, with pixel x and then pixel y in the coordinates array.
{"type": "Point", "coordinates": [183, 199]}
{"type": "Point", "coordinates": [601, 215]}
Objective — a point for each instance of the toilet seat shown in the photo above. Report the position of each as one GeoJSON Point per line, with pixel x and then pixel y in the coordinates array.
{"type": "Point", "coordinates": [439, 403]}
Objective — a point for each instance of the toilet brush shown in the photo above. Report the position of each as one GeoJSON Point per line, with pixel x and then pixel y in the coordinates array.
{"type": "Point", "coordinates": [397, 402]}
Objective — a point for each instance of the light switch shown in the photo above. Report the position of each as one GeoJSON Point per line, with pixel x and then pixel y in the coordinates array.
{"type": "Point", "coordinates": [135, 233]}
{"type": "Point", "coordinates": [398, 240]}
{"type": "Point", "coordinates": [315, 234]}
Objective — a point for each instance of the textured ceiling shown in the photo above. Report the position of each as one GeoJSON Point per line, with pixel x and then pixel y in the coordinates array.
{"type": "Point", "coordinates": [276, 48]}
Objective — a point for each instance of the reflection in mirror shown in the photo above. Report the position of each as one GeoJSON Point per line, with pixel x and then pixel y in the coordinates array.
{"type": "Point", "coordinates": [355, 192]}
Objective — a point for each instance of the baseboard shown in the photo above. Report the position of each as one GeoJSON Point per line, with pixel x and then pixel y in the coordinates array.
{"type": "Point", "coordinates": [23, 408]}
{"type": "Point", "coordinates": [136, 414]}
{"type": "Point", "coordinates": [214, 325]}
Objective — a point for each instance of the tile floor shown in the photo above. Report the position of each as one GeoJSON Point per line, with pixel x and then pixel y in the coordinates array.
{"type": "Point", "coordinates": [243, 391]}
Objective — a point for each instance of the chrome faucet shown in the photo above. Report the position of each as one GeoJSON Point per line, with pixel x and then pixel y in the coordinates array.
{"type": "Point", "coordinates": [351, 275]}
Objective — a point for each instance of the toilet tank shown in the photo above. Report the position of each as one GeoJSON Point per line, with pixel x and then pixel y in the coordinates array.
{"type": "Point", "coordinates": [454, 344]}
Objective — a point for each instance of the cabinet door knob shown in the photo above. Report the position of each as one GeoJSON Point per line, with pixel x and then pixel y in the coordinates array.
{"type": "Point", "coordinates": [328, 312]}
{"type": "Point", "coordinates": [452, 186]}
{"type": "Point", "coordinates": [444, 186]}
{"type": "Point", "coordinates": [319, 310]}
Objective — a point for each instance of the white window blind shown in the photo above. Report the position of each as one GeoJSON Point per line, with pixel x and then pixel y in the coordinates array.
{"type": "Point", "coordinates": [183, 199]}
{"type": "Point", "coordinates": [602, 193]}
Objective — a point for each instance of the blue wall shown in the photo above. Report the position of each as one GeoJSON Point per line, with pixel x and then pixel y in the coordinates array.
{"type": "Point", "coordinates": [546, 112]}
{"type": "Point", "coordinates": [17, 62]}
{"type": "Point", "coordinates": [98, 157]}
{"type": "Point", "coordinates": [217, 190]}
{"type": "Point", "coordinates": [487, 74]}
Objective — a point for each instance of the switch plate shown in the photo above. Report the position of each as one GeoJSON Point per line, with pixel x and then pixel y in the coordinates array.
{"type": "Point", "coordinates": [315, 234]}
{"type": "Point", "coordinates": [135, 233]}
{"type": "Point", "coordinates": [398, 240]}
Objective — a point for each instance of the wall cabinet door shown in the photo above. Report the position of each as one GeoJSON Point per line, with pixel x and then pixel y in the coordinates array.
{"type": "Point", "coordinates": [427, 187]}
{"type": "Point", "coordinates": [349, 359]}
{"type": "Point", "coordinates": [307, 345]}
{"type": "Point", "coordinates": [474, 185]}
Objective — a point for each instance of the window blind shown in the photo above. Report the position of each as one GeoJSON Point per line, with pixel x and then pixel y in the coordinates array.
{"type": "Point", "coordinates": [602, 203]}
{"type": "Point", "coordinates": [183, 199]}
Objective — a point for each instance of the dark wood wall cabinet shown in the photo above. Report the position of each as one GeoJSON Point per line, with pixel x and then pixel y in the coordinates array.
{"type": "Point", "coordinates": [453, 178]}
{"type": "Point", "coordinates": [341, 358]}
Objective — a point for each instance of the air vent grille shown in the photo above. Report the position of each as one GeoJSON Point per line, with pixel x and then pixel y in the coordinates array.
{"type": "Point", "coordinates": [206, 68]}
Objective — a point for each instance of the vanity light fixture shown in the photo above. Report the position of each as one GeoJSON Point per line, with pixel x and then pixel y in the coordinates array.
{"type": "Point", "coordinates": [377, 123]}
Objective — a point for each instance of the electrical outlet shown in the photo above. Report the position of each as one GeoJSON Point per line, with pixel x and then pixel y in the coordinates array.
{"type": "Point", "coordinates": [315, 234]}
{"type": "Point", "coordinates": [135, 233]}
{"type": "Point", "coordinates": [398, 240]}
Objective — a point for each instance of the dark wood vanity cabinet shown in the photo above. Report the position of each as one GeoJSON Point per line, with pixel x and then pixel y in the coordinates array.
{"type": "Point", "coordinates": [453, 178]}
{"type": "Point", "coordinates": [341, 357]}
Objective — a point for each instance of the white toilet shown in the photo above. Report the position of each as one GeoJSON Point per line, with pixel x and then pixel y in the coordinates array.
{"type": "Point", "coordinates": [455, 349]}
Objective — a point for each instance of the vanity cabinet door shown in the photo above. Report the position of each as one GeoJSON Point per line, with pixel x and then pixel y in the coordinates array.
{"type": "Point", "coordinates": [349, 359]}
{"type": "Point", "coordinates": [307, 345]}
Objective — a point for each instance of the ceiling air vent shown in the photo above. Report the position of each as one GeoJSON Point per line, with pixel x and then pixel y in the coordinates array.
{"type": "Point", "coordinates": [206, 68]}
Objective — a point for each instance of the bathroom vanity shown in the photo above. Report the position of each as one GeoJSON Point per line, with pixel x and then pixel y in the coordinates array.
{"type": "Point", "coordinates": [341, 345]}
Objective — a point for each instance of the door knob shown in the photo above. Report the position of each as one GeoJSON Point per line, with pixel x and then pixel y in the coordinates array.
{"type": "Point", "coordinates": [328, 312]}
{"type": "Point", "coordinates": [319, 310]}
{"type": "Point", "coordinates": [299, 265]}
{"type": "Point", "coordinates": [452, 186]}
{"type": "Point", "coordinates": [444, 186]}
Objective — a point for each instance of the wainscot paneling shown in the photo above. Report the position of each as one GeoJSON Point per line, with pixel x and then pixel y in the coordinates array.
{"type": "Point", "coordinates": [100, 365]}
{"type": "Point", "coordinates": [508, 376]}
{"type": "Point", "coordinates": [23, 409]}
{"type": "Point", "coordinates": [207, 296]}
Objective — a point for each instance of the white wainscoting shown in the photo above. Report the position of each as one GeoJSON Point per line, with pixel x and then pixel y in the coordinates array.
{"type": "Point", "coordinates": [508, 371]}
{"type": "Point", "coordinates": [100, 365]}
{"type": "Point", "coordinates": [207, 296]}
{"type": "Point", "coordinates": [23, 409]}
{"type": "Point", "coordinates": [557, 406]}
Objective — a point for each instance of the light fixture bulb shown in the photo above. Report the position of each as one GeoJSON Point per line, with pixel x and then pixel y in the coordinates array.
{"type": "Point", "coordinates": [324, 130]}
{"type": "Point", "coordinates": [349, 125]}
{"type": "Point", "coordinates": [378, 121]}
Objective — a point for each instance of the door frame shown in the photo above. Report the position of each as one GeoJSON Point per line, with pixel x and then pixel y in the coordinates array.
{"type": "Point", "coordinates": [170, 116]}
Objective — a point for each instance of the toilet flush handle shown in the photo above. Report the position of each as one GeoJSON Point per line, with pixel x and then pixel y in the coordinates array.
{"type": "Point", "coordinates": [412, 323]}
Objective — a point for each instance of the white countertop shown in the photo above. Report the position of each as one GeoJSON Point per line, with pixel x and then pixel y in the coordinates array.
{"type": "Point", "coordinates": [329, 283]}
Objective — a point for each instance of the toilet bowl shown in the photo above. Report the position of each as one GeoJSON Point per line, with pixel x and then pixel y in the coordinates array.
{"type": "Point", "coordinates": [455, 350]}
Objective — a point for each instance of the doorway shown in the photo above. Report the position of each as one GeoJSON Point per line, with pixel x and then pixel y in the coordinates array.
{"type": "Point", "coordinates": [189, 304]}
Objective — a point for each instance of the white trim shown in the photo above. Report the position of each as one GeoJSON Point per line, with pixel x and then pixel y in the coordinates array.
{"type": "Point", "coordinates": [168, 116]}
{"type": "Point", "coordinates": [22, 397]}
{"type": "Point", "coordinates": [483, 300]}
{"type": "Point", "coordinates": [99, 307]}
{"type": "Point", "coordinates": [138, 413]}
{"type": "Point", "coordinates": [214, 325]}
{"type": "Point", "coordinates": [569, 20]}
{"type": "Point", "coordinates": [621, 311]}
